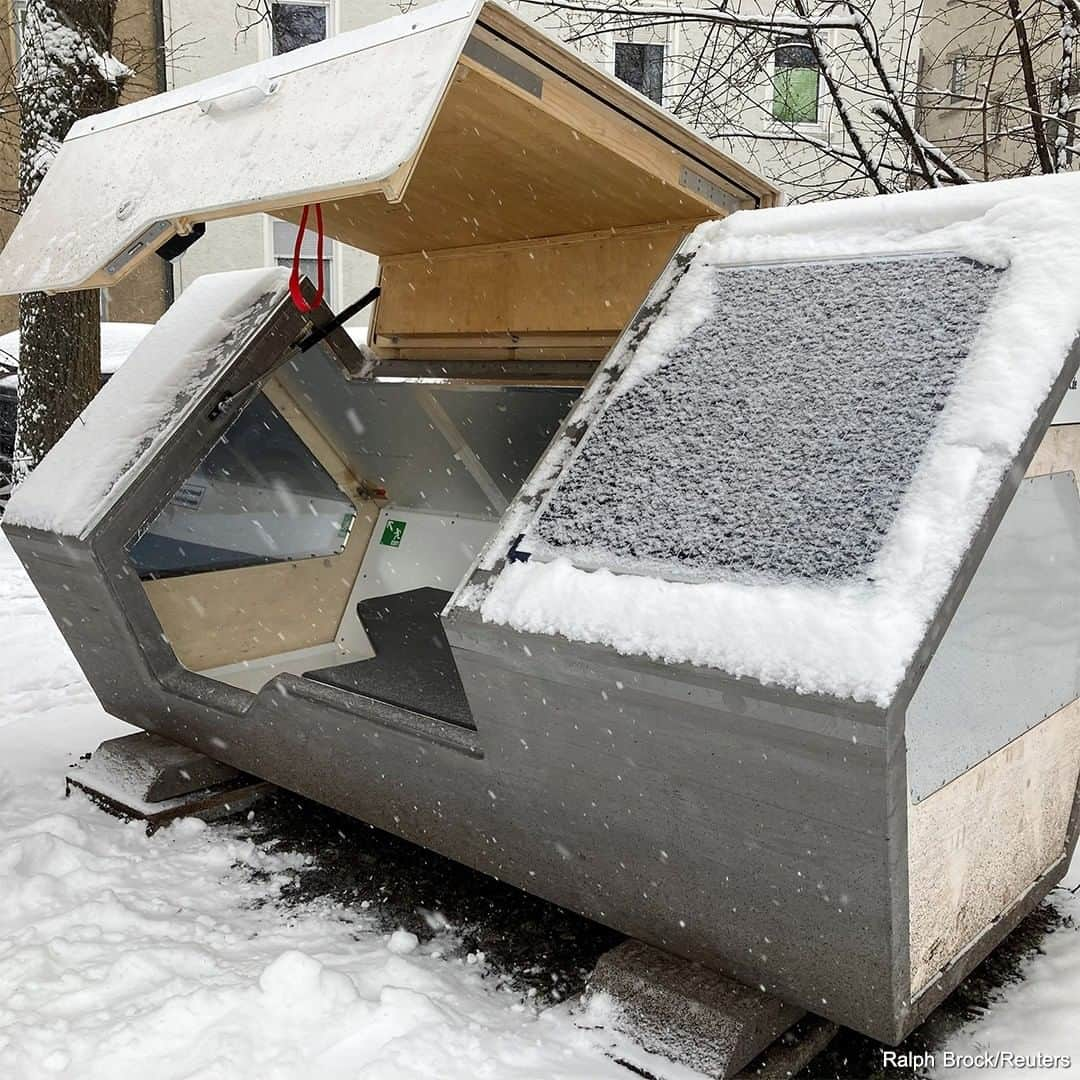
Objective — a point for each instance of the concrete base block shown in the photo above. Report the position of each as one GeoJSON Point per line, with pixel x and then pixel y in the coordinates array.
{"type": "Point", "coordinates": [210, 804]}
{"type": "Point", "coordinates": [152, 769]}
{"type": "Point", "coordinates": [683, 1012]}
{"type": "Point", "coordinates": [147, 778]}
{"type": "Point", "coordinates": [793, 1051]}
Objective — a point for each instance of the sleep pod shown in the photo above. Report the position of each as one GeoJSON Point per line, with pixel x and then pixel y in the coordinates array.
{"type": "Point", "coordinates": [761, 648]}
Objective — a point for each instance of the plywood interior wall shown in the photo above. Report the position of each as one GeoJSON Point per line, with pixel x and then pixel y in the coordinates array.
{"type": "Point", "coordinates": [979, 843]}
{"type": "Point", "coordinates": [228, 616]}
{"type": "Point", "coordinates": [541, 291]}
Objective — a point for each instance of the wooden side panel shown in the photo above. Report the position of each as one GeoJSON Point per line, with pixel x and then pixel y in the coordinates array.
{"type": "Point", "coordinates": [227, 616]}
{"type": "Point", "coordinates": [1058, 452]}
{"type": "Point", "coordinates": [588, 284]}
{"type": "Point", "coordinates": [976, 845]}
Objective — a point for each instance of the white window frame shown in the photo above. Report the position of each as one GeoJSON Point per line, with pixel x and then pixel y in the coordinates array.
{"type": "Point", "coordinates": [18, 17]}
{"type": "Point", "coordinates": [669, 40]}
{"type": "Point", "coordinates": [958, 62]}
{"type": "Point", "coordinates": [820, 126]}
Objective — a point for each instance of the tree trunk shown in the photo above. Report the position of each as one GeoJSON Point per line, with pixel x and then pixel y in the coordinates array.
{"type": "Point", "coordinates": [1031, 87]}
{"type": "Point", "coordinates": [66, 73]}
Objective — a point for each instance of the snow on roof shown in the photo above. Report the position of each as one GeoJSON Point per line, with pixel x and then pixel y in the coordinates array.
{"type": "Point", "coordinates": [834, 554]}
{"type": "Point", "coordinates": [118, 340]}
{"type": "Point", "coordinates": [765, 397]}
{"type": "Point", "coordinates": [151, 394]}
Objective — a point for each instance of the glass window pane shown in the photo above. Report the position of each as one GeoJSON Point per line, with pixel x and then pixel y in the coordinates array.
{"type": "Point", "coordinates": [258, 497]}
{"type": "Point", "coordinates": [310, 269]}
{"type": "Point", "coordinates": [642, 67]}
{"type": "Point", "coordinates": [296, 25]}
{"type": "Point", "coordinates": [795, 84]}
{"type": "Point", "coordinates": [285, 241]}
{"type": "Point", "coordinates": [958, 76]}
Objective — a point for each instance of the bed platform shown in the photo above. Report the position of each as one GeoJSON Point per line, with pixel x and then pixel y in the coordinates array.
{"type": "Point", "coordinates": [412, 666]}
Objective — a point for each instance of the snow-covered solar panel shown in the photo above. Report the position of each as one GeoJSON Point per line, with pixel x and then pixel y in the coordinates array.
{"type": "Point", "coordinates": [777, 438]}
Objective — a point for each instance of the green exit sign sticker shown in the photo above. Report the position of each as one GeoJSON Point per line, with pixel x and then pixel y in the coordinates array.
{"type": "Point", "coordinates": [392, 533]}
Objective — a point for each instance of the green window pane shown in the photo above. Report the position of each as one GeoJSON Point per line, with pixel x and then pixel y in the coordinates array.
{"type": "Point", "coordinates": [795, 85]}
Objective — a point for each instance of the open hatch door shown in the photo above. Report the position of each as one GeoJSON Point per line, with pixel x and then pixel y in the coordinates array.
{"type": "Point", "coordinates": [318, 123]}
{"type": "Point", "coordinates": [521, 203]}
{"type": "Point", "coordinates": [255, 505]}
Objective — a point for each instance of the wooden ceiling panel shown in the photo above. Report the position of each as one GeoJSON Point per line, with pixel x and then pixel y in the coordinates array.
{"type": "Point", "coordinates": [500, 166]}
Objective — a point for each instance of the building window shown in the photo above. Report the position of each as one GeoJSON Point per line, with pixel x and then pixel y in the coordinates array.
{"type": "Point", "coordinates": [642, 67]}
{"type": "Point", "coordinates": [958, 73]}
{"type": "Point", "coordinates": [796, 83]}
{"type": "Point", "coordinates": [297, 24]}
{"type": "Point", "coordinates": [285, 245]}
{"type": "Point", "coordinates": [18, 26]}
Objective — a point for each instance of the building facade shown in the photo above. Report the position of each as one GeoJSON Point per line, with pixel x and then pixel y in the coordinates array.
{"type": "Point", "coordinates": [974, 101]}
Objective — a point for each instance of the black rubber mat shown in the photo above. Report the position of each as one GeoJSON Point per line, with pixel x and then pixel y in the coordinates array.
{"type": "Point", "coordinates": [413, 666]}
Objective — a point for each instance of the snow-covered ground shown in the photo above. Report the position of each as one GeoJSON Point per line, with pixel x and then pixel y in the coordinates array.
{"type": "Point", "coordinates": [166, 957]}
{"type": "Point", "coordinates": [126, 956]}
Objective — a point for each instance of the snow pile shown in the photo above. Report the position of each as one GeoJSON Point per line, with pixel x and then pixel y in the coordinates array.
{"type": "Point", "coordinates": [118, 342]}
{"type": "Point", "coordinates": [1033, 1017]}
{"type": "Point", "coordinates": [145, 400]}
{"type": "Point", "coordinates": [852, 638]}
{"type": "Point", "coordinates": [123, 956]}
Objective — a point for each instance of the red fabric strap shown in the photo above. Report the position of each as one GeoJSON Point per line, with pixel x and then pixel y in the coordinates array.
{"type": "Point", "coordinates": [298, 298]}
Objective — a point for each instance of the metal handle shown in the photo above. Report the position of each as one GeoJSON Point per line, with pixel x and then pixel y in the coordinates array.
{"type": "Point", "coordinates": [240, 97]}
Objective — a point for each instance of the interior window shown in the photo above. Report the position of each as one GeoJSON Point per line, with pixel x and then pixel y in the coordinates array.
{"type": "Point", "coordinates": [795, 83]}
{"type": "Point", "coordinates": [258, 497]}
{"type": "Point", "coordinates": [642, 67]}
{"type": "Point", "coordinates": [296, 25]}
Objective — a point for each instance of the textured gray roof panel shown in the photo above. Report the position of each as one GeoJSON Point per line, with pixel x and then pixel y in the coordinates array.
{"type": "Point", "coordinates": [777, 439]}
